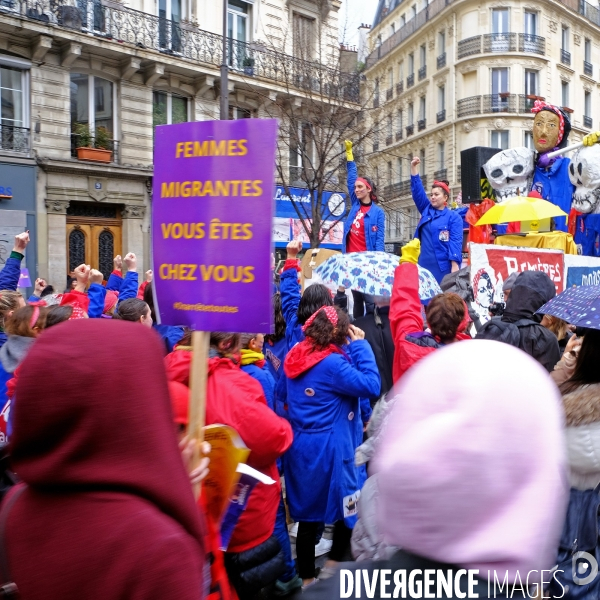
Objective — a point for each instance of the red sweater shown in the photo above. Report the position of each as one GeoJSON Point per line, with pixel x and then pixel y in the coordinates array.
{"type": "Point", "coordinates": [234, 398]}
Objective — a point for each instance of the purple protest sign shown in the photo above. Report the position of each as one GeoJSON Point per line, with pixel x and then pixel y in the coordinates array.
{"type": "Point", "coordinates": [212, 214]}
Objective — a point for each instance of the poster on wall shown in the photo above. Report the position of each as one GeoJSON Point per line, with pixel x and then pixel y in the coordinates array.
{"type": "Point", "coordinates": [581, 270]}
{"type": "Point", "coordinates": [491, 266]}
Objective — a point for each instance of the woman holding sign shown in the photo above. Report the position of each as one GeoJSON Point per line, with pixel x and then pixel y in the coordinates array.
{"type": "Point", "coordinates": [440, 229]}
{"type": "Point", "coordinates": [364, 229]}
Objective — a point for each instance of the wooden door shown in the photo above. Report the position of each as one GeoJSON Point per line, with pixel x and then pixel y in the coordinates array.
{"type": "Point", "coordinates": [93, 242]}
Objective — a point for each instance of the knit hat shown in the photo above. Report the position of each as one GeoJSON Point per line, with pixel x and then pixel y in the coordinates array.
{"type": "Point", "coordinates": [110, 300]}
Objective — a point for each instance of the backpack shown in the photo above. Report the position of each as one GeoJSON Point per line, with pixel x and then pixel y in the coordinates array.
{"type": "Point", "coordinates": [579, 536]}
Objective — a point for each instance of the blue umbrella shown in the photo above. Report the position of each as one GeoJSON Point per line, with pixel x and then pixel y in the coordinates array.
{"type": "Point", "coordinates": [578, 306]}
{"type": "Point", "coordinates": [371, 273]}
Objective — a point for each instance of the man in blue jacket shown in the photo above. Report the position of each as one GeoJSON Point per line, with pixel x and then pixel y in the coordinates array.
{"type": "Point", "coordinates": [364, 229]}
{"type": "Point", "coordinates": [440, 229]}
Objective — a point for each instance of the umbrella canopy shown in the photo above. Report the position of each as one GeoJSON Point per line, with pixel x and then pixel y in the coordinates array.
{"type": "Point", "coordinates": [521, 208]}
{"type": "Point", "coordinates": [371, 273]}
{"type": "Point", "coordinates": [578, 306]}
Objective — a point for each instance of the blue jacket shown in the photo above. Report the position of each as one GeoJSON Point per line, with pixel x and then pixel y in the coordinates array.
{"type": "Point", "coordinates": [171, 334]}
{"type": "Point", "coordinates": [446, 226]}
{"type": "Point", "coordinates": [555, 186]}
{"type": "Point", "coordinates": [9, 279]}
{"type": "Point", "coordinates": [265, 379]}
{"type": "Point", "coordinates": [275, 355]}
{"type": "Point", "coordinates": [322, 481]}
{"type": "Point", "coordinates": [96, 294]}
{"type": "Point", "coordinates": [374, 219]}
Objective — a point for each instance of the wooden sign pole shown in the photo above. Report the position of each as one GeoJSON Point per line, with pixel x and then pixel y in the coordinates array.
{"type": "Point", "coordinates": [197, 407]}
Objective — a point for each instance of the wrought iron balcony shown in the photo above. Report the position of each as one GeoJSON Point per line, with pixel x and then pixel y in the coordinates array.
{"type": "Point", "coordinates": [588, 68]}
{"type": "Point", "coordinates": [441, 116]}
{"type": "Point", "coordinates": [505, 102]}
{"type": "Point", "coordinates": [534, 44]}
{"type": "Point", "coordinates": [410, 129]}
{"type": "Point", "coordinates": [389, 139]}
{"type": "Point", "coordinates": [441, 61]}
{"type": "Point", "coordinates": [565, 57]}
{"type": "Point", "coordinates": [587, 122]}
{"type": "Point", "coordinates": [410, 80]}
{"type": "Point", "coordinates": [526, 102]}
{"type": "Point", "coordinates": [422, 72]}
{"type": "Point", "coordinates": [389, 94]}
{"type": "Point", "coordinates": [396, 190]}
{"type": "Point", "coordinates": [469, 46]}
{"type": "Point", "coordinates": [468, 106]}
{"type": "Point", "coordinates": [499, 42]}
{"type": "Point", "coordinates": [107, 20]}
{"type": "Point", "coordinates": [399, 87]}
{"type": "Point", "coordinates": [440, 175]}
{"type": "Point", "coordinates": [15, 139]}
{"type": "Point", "coordinates": [112, 145]}
{"type": "Point", "coordinates": [399, 135]}
{"type": "Point", "coordinates": [421, 124]}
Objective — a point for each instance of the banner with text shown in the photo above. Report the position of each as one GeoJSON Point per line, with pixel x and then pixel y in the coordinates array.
{"type": "Point", "coordinates": [581, 270]}
{"type": "Point", "coordinates": [491, 265]}
{"type": "Point", "coordinates": [212, 218]}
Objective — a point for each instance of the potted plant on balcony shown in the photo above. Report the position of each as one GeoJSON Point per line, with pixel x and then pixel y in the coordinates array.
{"type": "Point", "coordinates": [90, 148]}
{"type": "Point", "coordinates": [248, 64]}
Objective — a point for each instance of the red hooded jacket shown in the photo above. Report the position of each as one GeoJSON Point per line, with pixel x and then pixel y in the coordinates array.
{"type": "Point", "coordinates": [234, 398]}
{"type": "Point", "coordinates": [406, 321]}
{"type": "Point", "coordinates": [108, 511]}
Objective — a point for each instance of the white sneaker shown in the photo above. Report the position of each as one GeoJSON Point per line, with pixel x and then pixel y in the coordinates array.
{"type": "Point", "coordinates": [293, 530]}
{"type": "Point", "coordinates": [323, 547]}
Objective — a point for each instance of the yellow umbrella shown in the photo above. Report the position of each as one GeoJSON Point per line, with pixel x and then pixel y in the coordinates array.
{"type": "Point", "coordinates": [521, 208]}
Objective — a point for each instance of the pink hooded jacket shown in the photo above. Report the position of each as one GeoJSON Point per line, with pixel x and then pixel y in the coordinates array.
{"type": "Point", "coordinates": [473, 461]}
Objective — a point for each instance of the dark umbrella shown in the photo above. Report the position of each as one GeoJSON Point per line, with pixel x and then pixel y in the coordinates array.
{"type": "Point", "coordinates": [578, 306]}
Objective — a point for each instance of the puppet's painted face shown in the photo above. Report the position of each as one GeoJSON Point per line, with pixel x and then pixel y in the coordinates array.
{"type": "Point", "coordinates": [546, 127]}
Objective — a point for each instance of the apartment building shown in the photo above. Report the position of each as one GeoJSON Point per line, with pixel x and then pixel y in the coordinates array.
{"type": "Point", "coordinates": [101, 74]}
{"type": "Point", "coordinates": [448, 75]}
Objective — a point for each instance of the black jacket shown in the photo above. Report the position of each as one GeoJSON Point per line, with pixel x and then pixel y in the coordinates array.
{"type": "Point", "coordinates": [531, 290]}
{"type": "Point", "coordinates": [379, 335]}
{"type": "Point", "coordinates": [330, 589]}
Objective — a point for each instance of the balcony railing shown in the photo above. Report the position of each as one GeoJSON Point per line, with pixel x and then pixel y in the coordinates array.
{"type": "Point", "coordinates": [468, 106]}
{"type": "Point", "coordinates": [493, 103]}
{"type": "Point", "coordinates": [458, 173]}
{"type": "Point", "coordinates": [399, 87]}
{"type": "Point", "coordinates": [113, 146]}
{"type": "Point", "coordinates": [389, 93]}
{"type": "Point", "coordinates": [149, 32]}
{"type": "Point", "coordinates": [441, 175]}
{"type": "Point", "coordinates": [565, 57]}
{"type": "Point", "coordinates": [15, 139]}
{"type": "Point", "coordinates": [441, 61]}
{"type": "Point", "coordinates": [441, 116]}
{"type": "Point", "coordinates": [422, 73]}
{"type": "Point", "coordinates": [397, 189]}
{"type": "Point", "coordinates": [376, 101]}
{"type": "Point", "coordinates": [389, 139]}
{"type": "Point", "coordinates": [410, 129]}
{"type": "Point", "coordinates": [588, 68]}
{"type": "Point", "coordinates": [410, 80]}
{"type": "Point", "coordinates": [421, 124]}
{"type": "Point", "coordinates": [502, 42]}
{"type": "Point", "coordinates": [587, 122]}
{"type": "Point", "coordinates": [499, 42]}
{"type": "Point", "coordinates": [526, 102]}
{"type": "Point", "coordinates": [399, 135]}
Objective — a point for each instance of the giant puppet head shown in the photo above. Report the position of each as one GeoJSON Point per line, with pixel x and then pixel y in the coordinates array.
{"type": "Point", "coordinates": [509, 172]}
{"type": "Point", "coordinates": [551, 127]}
{"type": "Point", "coordinates": [584, 173]}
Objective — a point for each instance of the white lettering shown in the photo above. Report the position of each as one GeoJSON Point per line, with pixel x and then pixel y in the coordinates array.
{"type": "Point", "coordinates": [445, 583]}
{"type": "Point", "coordinates": [400, 583]}
{"type": "Point", "coordinates": [384, 581]}
{"type": "Point", "coordinates": [511, 264]}
{"type": "Point", "coordinates": [415, 587]}
{"type": "Point", "coordinates": [370, 588]}
{"type": "Point", "coordinates": [346, 583]}
{"type": "Point", "coordinates": [457, 591]}
{"type": "Point", "coordinates": [473, 583]}
{"type": "Point", "coordinates": [428, 583]}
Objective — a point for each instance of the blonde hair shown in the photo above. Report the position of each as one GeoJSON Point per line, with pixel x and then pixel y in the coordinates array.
{"type": "Point", "coordinates": [557, 326]}
{"type": "Point", "coordinates": [9, 301]}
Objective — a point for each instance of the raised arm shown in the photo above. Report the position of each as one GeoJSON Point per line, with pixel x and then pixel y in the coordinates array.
{"type": "Point", "coordinates": [416, 186]}
{"type": "Point", "coordinates": [352, 172]}
{"type": "Point", "coordinates": [129, 287]}
{"type": "Point", "coordinates": [9, 276]}
{"type": "Point", "coordinates": [289, 288]}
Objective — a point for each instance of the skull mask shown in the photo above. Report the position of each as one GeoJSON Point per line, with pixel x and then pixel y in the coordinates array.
{"type": "Point", "coordinates": [509, 172]}
{"type": "Point", "coordinates": [584, 173]}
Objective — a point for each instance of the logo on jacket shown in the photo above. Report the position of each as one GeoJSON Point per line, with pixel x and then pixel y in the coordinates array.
{"type": "Point", "coordinates": [309, 392]}
{"type": "Point", "coordinates": [444, 235]}
{"type": "Point", "coordinates": [350, 504]}
{"type": "Point", "coordinates": [276, 362]}
{"type": "Point", "coordinates": [538, 187]}
{"type": "Point", "coordinates": [374, 228]}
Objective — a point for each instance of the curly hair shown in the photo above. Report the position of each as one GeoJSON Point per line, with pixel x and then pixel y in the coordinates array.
{"type": "Point", "coordinates": [322, 332]}
{"type": "Point", "coordinates": [315, 296]}
{"type": "Point", "coordinates": [445, 313]}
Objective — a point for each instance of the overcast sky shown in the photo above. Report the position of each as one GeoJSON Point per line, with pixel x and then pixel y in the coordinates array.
{"type": "Point", "coordinates": [352, 14]}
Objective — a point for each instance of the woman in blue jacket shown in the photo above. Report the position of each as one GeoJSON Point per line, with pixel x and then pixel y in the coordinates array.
{"type": "Point", "coordinates": [364, 229]}
{"type": "Point", "coordinates": [440, 229]}
{"type": "Point", "coordinates": [326, 378]}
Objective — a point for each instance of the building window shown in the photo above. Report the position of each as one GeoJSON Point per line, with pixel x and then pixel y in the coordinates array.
{"type": "Point", "coordinates": [411, 115]}
{"type": "Point", "coordinates": [304, 36]}
{"type": "Point", "coordinates": [587, 108]}
{"type": "Point", "coordinates": [401, 71]}
{"type": "Point", "coordinates": [236, 113]}
{"type": "Point", "coordinates": [499, 139]}
{"type": "Point", "coordinates": [411, 64]}
{"type": "Point", "coordinates": [399, 120]}
{"type": "Point", "coordinates": [565, 93]}
{"type": "Point", "coordinates": [422, 107]}
{"type": "Point", "coordinates": [587, 50]}
{"type": "Point", "coordinates": [423, 55]}
{"type": "Point", "coordinates": [422, 165]}
{"type": "Point", "coordinates": [301, 152]}
{"type": "Point", "coordinates": [441, 42]}
{"type": "Point", "coordinates": [500, 20]}
{"type": "Point", "coordinates": [400, 170]}
{"type": "Point", "coordinates": [565, 39]}
{"type": "Point", "coordinates": [168, 109]}
{"type": "Point", "coordinates": [391, 78]}
{"type": "Point", "coordinates": [530, 24]}
{"type": "Point", "coordinates": [397, 224]}
{"type": "Point", "coordinates": [390, 176]}
{"type": "Point", "coordinates": [528, 140]}
{"type": "Point", "coordinates": [531, 83]}
{"type": "Point", "coordinates": [13, 114]}
{"type": "Point", "coordinates": [441, 155]}
{"type": "Point", "coordinates": [92, 104]}
{"type": "Point", "coordinates": [441, 98]}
